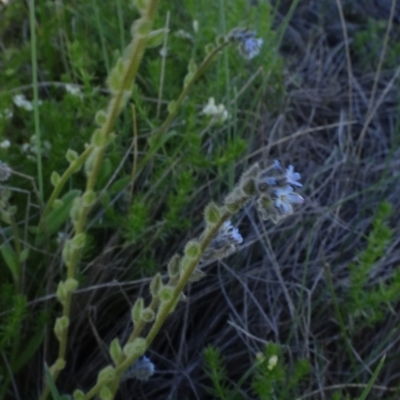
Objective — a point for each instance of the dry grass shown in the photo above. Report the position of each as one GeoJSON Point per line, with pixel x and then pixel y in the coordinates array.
{"type": "Point", "coordinates": [275, 289]}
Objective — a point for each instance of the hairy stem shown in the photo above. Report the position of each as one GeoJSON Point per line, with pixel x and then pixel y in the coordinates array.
{"type": "Point", "coordinates": [114, 109]}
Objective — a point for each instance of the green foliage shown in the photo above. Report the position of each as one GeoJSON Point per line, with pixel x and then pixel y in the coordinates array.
{"type": "Point", "coordinates": [366, 301]}
{"type": "Point", "coordinates": [215, 369]}
{"type": "Point", "coordinates": [368, 43]}
{"type": "Point", "coordinates": [270, 377]}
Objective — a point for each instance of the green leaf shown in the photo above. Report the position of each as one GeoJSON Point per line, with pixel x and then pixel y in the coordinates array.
{"type": "Point", "coordinates": [155, 38]}
{"type": "Point", "coordinates": [11, 259]}
{"type": "Point", "coordinates": [52, 385]}
{"type": "Point", "coordinates": [57, 217]}
{"type": "Point", "coordinates": [368, 388]}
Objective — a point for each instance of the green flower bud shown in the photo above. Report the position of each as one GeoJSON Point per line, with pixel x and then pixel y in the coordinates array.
{"type": "Point", "coordinates": [136, 348]}
{"type": "Point", "coordinates": [148, 315]}
{"type": "Point", "coordinates": [76, 209]}
{"type": "Point", "coordinates": [192, 67]}
{"type": "Point", "coordinates": [188, 78]}
{"type": "Point", "coordinates": [79, 240]}
{"type": "Point", "coordinates": [89, 197]}
{"type": "Point", "coordinates": [212, 213]}
{"type": "Point", "coordinates": [155, 38]}
{"type": "Point", "coordinates": [71, 155]}
{"type": "Point", "coordinates": [106, 375]}
{"type": "Point", "coordinates": [67, 252]}
{"type": "Point", "coordinates": [61, 292]}
{"type": "Point", "coordinates": [105, 393]}
{"type": "Point", "coordinates": [71, 284]}
{"type": "Point", "coordinates": [60, 364]}
{"type": "Point", "coordinates": [172, 106]}
{"type": "Point", "coordinates": [141, 5]}
{"type": "Point", "coordinates": [115, 350]}
{"type": "Point", "coordinates": [78, 395]}
{"type": "Point", "coordinates": [192, 249]}
{"type": "Point", "coordinates": [173, 266]}
{"type": "Point", "coordinates": [55, 178]}
{"type": "Point", "coordinates": [166, 293]}
{"type": "Point", "coordinates": [99, 139]}
{"type": "Point", "coordinates": [209, 48]}
{"type": "Point", "coordinates": [60, 326]}
{"type": "Point", "coordinates": [141, 27]}
{"type": "Point", "coordinates": [101, 117]}
{"type": "Point", "coordinates": [155, 285]}
{"type": "Point", "coordinates": [137, 309]}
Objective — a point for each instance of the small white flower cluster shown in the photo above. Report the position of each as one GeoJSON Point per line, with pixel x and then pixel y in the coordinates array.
{"type": "Point", "coordinates": [141, 369]}
{"type": "Point", "coordinates": [73, 89]}
{"type": "Point", "coordinates": [6, 114]}
{"type": "Point", "coordinates": [248, 44]}
{"type": "Point", "coordinates": [219, 114]}
{"type": "Point", "coordinates": [31, 149]}
{"type": "Point", "coordinates": [21, 102]}
{"type": "Point", "coordinates": [224, 243]}
{"type": "Point", "coordinates": [5, 144]}
{"type": "Point", "coordinates": [5, 171]}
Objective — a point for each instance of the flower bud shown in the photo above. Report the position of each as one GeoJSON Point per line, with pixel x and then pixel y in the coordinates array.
{"type": "Point", "coordinates": [155, 285]}
{"type": "Point", "coordinates": [166, 293]}
{"type": "Point", "coordinates": [136, 348]}
{"type": "Point", "coordinates": [136, 312]}
{"type": "Point", "coordinates": [101, 117]}
{"type": "Point", "coordinates": [71, 155]}
{"type": "Point", "coordinates": [55, 178]}
{"type": "Point", "coordinates": [192, 249]}
{"type": "Point", "coordinates": [115, 350]}
{"type": "Point", "coordinates": [105, 393]}
{"type": "Point", "coordinates": [106, 375]}
{"type": "Point", "coordinates": [78, 395]}
{"type": "Point", "coordinates": [173, 266]}
{"type": "Point", "coordinates": [88, 198]}
{"type": "Point", "coordinates": [212, 213]}
{"type": "Point", "coordinates": [148, 315]}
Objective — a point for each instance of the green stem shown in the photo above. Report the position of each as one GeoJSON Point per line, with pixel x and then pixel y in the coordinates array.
{"type": "Point", "coordinates": [63, 180]}
{"type": "Point", "coordinates": [114, 109]}
{"type": "Point", "coordinates": [199, 72]}
{"type": "Point", "coordinates": [36, 95]}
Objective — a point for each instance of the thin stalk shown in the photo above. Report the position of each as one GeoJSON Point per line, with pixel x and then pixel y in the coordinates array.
{"type": "Point", "coordinates": [36, 96]}
{"type": "Point", "coordinates": [200, 70]}
{"type": "Point", "coordinates": [115, 105]}
{"type": "Point", "coordinates": [163, 312]}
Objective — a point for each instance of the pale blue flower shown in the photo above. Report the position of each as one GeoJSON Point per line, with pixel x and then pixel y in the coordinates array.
{"type": "Point", "coordinates": [292, 177]}
{"type": "Point", "coordinates": [285, 197]}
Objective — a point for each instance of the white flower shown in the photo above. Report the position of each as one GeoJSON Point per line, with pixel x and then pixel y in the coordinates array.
{"type": "Point", "coordinates": [21, 102]}
{"type": "Point", "coordinates": [210, 109]}
{"type": "Point", "coordinates": [195, 25]}
{"type": "Point", "coordinates": [75, 90]}
{"type": "Point", "coordinates": [5, 144]}
{"type": "Point", "coordinates": [5, 171]}
{"type": "Point", "coordinates": [273, 360]}
{"type": "Point", "coordinates": [6, 114]}
{"type": "Point", "coordinates": [285, 198]}
{"type": "Point", "coordinates": [292, 177]}
{"type": "Point", "coordinates": [218, 113]}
